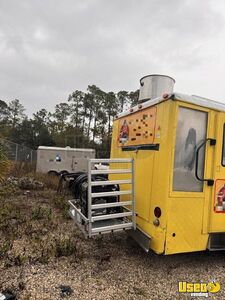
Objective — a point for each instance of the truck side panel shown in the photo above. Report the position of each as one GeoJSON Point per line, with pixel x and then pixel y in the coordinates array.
{"type": "Point", "coordinates": [151, 175]}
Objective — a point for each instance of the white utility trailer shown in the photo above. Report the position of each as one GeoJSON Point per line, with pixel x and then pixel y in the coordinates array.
{"type": "Point", "coordinates": [61, 160]}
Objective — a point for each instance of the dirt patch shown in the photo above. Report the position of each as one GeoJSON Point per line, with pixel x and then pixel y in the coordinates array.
{"type": "Point", "coordinates": [42, 252]}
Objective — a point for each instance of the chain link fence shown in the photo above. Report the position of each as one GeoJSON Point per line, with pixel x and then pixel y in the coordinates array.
{"type": "Point", "coordinates": [17, 152]}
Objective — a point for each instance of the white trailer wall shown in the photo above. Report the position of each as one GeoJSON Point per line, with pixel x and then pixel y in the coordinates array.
{"type": "Point", "coordinates": [72, 159]}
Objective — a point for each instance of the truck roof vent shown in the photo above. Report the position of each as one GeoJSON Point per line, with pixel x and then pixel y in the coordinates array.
{"type": "Point", "coordinates": [154, 86]}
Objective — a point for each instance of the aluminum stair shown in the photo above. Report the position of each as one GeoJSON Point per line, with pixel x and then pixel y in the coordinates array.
{"type": "Point", "coordinates": [99, 223]}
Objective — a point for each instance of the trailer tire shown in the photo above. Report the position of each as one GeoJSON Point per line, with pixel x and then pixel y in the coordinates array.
{"type": "Point", "coordinates": [53, 173]}
{"type": "Point", "coordinates": [64, 172]}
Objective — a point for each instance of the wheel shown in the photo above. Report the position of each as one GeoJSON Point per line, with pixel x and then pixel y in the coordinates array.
{"type": "Point", "coordinates": [53, 173]}
{"type": "Point", "coordinates": [63, 172]}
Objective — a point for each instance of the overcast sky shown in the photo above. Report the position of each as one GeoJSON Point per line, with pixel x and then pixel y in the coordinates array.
{"type": "Point", "coordinates": [48, 48]}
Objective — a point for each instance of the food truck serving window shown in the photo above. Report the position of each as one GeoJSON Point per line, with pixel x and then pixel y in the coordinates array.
{"type": "Point", "coordinates": [190, 132]}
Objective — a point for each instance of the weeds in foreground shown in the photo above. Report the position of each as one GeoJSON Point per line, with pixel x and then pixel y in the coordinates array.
{"type": "Point", "coordinates": [10, 215]}
{"type": "Point", "coordinates": [4, 248]}
{"type": "Point", "coordinates": [30, 223]}
{"type": "Point", "coordinates": [62, 204]}
{"type": "Point", "coordinates": [50, 182]}
{"type": "Point", "coordinates": [40, 213]}
{"type": "Point", "coordinates": [4, 163]}
{"type": "Point", "coordinates": [65, 246]}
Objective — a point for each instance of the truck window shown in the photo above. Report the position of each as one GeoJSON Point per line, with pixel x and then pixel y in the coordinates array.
{"type": "Point", "coordinates": [191, 131]}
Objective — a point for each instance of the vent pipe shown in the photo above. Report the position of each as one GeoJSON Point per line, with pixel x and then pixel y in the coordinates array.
{"type": "Point", "coordinates": [154, 86]}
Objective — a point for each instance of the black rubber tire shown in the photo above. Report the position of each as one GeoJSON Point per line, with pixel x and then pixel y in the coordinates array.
{"type": "Point", "coordinates": [53, 173]}
{"type": "Point", "coordinates": [63, 172]}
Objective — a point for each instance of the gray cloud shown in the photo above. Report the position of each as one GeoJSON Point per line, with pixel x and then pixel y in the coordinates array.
{"type": "Point", "coordinates": [50, 48]}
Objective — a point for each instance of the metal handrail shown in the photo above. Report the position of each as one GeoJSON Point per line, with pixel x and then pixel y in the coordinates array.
{"type": "Point", "coordinates": [210, 182]}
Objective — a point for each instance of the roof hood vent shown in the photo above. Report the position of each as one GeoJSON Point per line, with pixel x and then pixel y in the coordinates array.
{"type": "Point", "coordinates": [154, 86]}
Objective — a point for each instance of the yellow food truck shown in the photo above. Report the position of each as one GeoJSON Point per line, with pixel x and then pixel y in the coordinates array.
{"type": "Point", "coordinates": [165, 181]}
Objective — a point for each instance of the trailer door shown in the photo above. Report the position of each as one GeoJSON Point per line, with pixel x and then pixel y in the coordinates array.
{"type": "Point", "coordinates": [217, 206]}
{"type": "Point", "coordinates": [190, 196]}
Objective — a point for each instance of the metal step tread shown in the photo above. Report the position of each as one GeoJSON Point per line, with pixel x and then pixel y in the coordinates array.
{"type": "Point", "coordinates": [110, 225]}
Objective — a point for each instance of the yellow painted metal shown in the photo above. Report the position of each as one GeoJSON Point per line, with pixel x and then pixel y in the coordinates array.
{"type": "Point", "coordinates": [217, 218]}
{"type": "Point", "coordinates": [188, 211]}
{"type": "Point", "coordinates": [187, 217]}
{"type": "Point", "coordinates": [151, 177]}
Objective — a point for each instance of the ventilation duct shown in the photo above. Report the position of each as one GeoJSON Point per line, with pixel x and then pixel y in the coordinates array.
{"type": "Point", "coordinates": [154, 86]}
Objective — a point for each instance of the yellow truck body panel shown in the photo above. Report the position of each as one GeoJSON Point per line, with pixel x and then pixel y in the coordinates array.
{"type": "Point", "coordinates": [162, 138]}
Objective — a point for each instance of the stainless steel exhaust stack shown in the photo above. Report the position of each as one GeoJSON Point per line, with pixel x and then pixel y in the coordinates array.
{"type": "Point", "coordinates": [154, 86]}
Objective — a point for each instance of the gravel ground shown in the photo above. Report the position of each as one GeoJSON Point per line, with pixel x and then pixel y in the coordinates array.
{"type": "Point", "coordinates": [41, 249]}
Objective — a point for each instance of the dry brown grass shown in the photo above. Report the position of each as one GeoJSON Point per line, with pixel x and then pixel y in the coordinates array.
{"type": "Point", "coordinates": [40, 250]}
{"type": "Point", "coordinates": [20, 169]}
{"type": "Point", "coordinates": [4, 163]}
{"type": "Point", "coordinates": [29, 229]}
{"type": "Point", "coordinates": [50, 182]}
